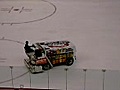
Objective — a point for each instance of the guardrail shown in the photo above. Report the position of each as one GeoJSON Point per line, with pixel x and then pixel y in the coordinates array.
{"type": "Point", "coordinates": [60, 78]}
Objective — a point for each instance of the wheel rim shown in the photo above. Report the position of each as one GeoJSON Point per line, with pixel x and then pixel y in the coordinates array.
{"type": "Point", "coordinates": [46, 67]}
{"type": "Point", "coordinates": [70, 62]}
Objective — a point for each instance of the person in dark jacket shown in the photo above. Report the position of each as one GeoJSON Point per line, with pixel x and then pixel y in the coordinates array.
{"type": "Point", "coordinates": [28, 48]}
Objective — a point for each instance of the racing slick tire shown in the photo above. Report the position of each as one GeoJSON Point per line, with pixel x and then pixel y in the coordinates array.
{"type": "Point", "coordinates": [69, 61]}
{"type": "Point", "coordinates": [46, 67]}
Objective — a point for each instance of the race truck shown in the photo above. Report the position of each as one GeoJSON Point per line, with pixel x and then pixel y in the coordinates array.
{"type": "Point", "coordinates": [46, 55]}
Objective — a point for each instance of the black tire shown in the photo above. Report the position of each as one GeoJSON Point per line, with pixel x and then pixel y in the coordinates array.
{"type": "Point", "coordinates": [46, 67]}
{"type": "Point", "coordinates": [70, 61]}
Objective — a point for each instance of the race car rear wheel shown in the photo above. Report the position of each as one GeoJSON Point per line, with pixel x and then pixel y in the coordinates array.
{"type": "Point", "coordinates": [46, 67]}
